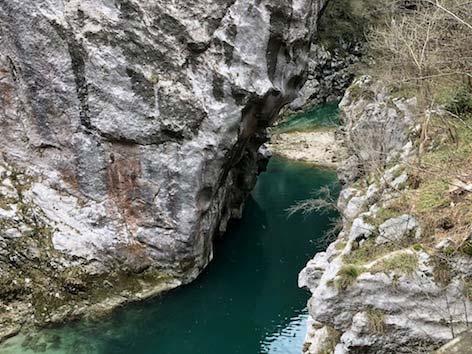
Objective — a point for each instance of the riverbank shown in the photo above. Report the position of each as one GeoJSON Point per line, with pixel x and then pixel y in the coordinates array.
{"type": "Point", "coordinates": [316, 147]}
{"type": "Point", "coordinates": [308, 136]}
{"type": "Point", "coordinates": [14, 318]}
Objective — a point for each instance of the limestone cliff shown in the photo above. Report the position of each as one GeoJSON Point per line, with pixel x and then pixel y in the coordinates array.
{"type": "Point", "coordinates": [129, 136]}
{"type": "Point", "coordinates": [398, 278]}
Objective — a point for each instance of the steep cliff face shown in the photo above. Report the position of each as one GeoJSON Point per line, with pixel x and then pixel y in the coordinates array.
{"type": "Point", "coordinates": [330, 72]}
{"type": "Point", "coordinates": [394, 281]}
{"type": "Point", "coordinates": [130, 132]}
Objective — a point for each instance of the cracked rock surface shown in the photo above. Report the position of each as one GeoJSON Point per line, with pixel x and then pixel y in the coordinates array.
{"type": "Point", "coordinates": [376, 289]}
{"type": "Point", "coordinates": [138, 124]}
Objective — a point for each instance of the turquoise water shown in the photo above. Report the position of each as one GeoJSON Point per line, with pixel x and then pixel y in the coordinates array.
{"type": "Point", "coordinates": [323, 116]}
{"type": "Point", "coordinates": [247, 301]}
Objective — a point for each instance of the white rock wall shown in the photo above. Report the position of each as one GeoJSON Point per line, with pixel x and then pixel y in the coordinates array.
{"type": "Point", "coordinates": [141, 120]}
{"type": "Point", "coordinates": [392, 302]}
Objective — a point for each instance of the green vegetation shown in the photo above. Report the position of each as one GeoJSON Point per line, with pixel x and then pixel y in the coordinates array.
{"type": "Point", "coordinates": [404, 263]}
{"type": "Point", "coordinates": [382, 215]}
{"type": "Point", "coordinates": [347, 275]}
{"type": "Point", "coordinates": [466, 247]}
{"type": "Point", "coordinates": [457, 100]}
{"type": "Point", "coordinates": [340, 245]}
{"type": "Point", "coordinates": [368, 252]}
{"type": "Point", "coordinates": [6, 202]}
{"type": "Point", "coordinates": [453, 144]}
{"type": "Point", "coordinates": [57, 295]}
{"type": "Point", "coordinates": [432, 194]}
{"type": "Point", "coordinates": [330, 342]}
{"type": "Point", "coordinates": [418, 247]}
{"type": "Point", "coordinates": [376, 320]}
{"type": "Point", "coordinates": [345, 21]}
{"type": "Point", "coordinates": [358, 92]}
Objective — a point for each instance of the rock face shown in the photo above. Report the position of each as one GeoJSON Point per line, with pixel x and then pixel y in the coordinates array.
{"type": "Point", "coordinates": [329, 75]}
{"type": "Point", "coordinates": [380, 287]}
{"type": "Point", "coordinates": [131, 129]}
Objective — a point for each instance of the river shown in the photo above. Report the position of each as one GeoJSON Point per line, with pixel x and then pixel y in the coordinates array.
{"type": "Point", "coordinates": [247, 300]}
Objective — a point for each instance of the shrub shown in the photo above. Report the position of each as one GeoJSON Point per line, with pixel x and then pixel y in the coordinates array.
{"type": "Point", "coordinates": [418, 247]}
{"type": "Point", "coordinates": [340, 245]}
{"type": "Point", "coordinates": [382, 215]}
{"type": "Point", "coordinates": [442, 271]}
{"type": "Point", "coordinates": [466, 247]}
{"type": "Point", "coordinates": [460, 101]}
{"type": "Point", "coordinates": [425, 48]}
{"type": "Point", "coordinates": [468, 288]}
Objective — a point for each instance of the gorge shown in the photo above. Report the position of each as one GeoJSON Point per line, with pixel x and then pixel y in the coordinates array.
{"type": "Point", "coordinates": [246, 301]}
{"type": "Point", "coordinates": [133, 134]}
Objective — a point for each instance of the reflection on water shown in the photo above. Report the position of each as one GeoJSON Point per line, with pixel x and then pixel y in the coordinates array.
{"type": "Point", "coordinates": [247, 301]}
{"type": "Point", "coordinates": [324, 116]}
{"type": "Point", "coordinates": [288, 338]}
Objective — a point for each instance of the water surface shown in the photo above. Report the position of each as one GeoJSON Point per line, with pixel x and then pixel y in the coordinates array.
{"type": "Point", "coordinates": [318, 117]}
{"type": "Point", "coordinates": [247, 301]}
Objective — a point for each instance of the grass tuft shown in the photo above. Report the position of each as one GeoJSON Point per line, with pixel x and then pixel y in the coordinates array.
{"type": "Point", "coordinates": [347, 276]}
{"type": "Point", "coordinates": [405, 263]}
{"type": "Point", "coordinates": [376, 320]}
{"type": "Point", "coordinates": [432, 195]}
{"type": "Point", "coordinates": [367, 252]}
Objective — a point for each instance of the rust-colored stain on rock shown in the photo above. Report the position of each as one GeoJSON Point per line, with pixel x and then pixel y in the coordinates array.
{"type": "Point", "coordinates": [123, 172]}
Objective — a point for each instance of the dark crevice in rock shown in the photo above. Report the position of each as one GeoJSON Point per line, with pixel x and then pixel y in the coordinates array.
{"type": "Point", "coordinates": [257, 115]}
{"type": "Point", "coordinates": [228, 52]}
{"type": "Point", "coordinates": [129, 11]}
{"type": "Point", "coordinates": [275, 45]}
{"type": "Point", "coordinates": [77, 56]}
{"type": "Point", "coordinates": [141, 86]}
{"type": "Point", "coordinates": [278, 27]}
{"type": "Point", "coordinates": [218, 87]}
{"type": "Point", "coordinates": [296, 82]}
{"type": "Point", "coordinates": [80, 18]}
{"type": "Point", "coordinates": [164, 136]}
{"type": "Point", "coordinates": [13, 69]}
{"type": "Point", "coordinates": [240, 95]}
{"type": "Point", "coordinates": [198, 47]}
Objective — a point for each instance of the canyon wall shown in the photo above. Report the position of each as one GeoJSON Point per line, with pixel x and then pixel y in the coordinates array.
{"type": "Point", "coordinates": [130, 135]}
{"type": "Point", "coordinates": [398, 277]}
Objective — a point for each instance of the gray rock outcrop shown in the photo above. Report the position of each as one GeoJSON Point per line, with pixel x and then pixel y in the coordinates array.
{"type": "Point", "coordinates": [383, 286]}
{"type": "Point", "coordinates": [130, 130]}
{"type": "Point", "coordinates": [330, 72]}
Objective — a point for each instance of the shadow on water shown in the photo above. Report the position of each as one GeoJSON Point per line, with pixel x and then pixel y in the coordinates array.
{"type": "Point", "coordinates": [247, 301]}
